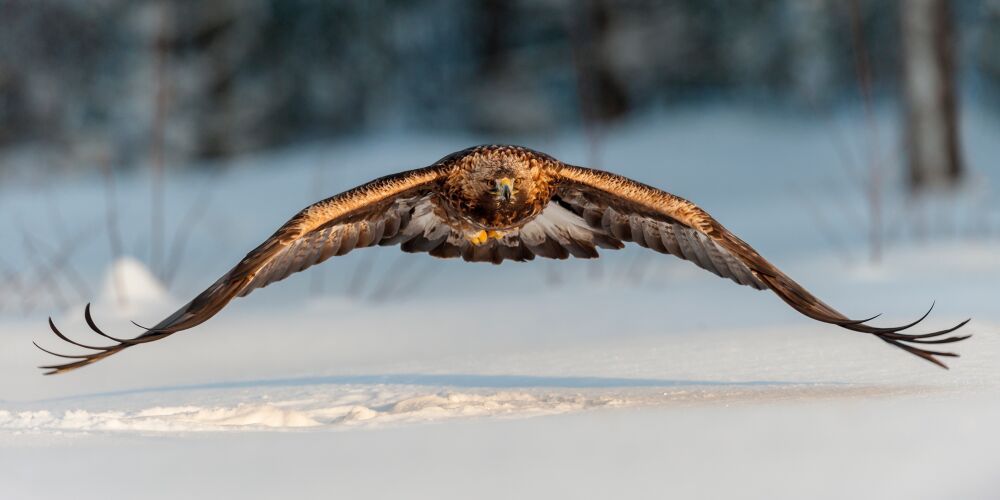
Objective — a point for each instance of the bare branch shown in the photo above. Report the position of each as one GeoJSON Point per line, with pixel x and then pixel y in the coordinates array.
{"type": "Point", "coordinates": [114, 234]}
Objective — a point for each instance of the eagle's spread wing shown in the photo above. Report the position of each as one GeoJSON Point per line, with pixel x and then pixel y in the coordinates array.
{"type": "Point", "coordinates": [631, 211]}
{"type": "Point", "coordinates": [588, 209]}
{"type": "Point", "coordinates": [379, 212]}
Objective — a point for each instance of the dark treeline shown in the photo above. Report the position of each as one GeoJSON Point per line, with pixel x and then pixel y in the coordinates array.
{"type": "Point", "coordinates": [212, 79]}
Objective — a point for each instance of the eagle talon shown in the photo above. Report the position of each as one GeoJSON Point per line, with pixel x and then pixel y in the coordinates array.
{"type": "Point", "coordinates": [483, 236]}
{"type": "Point", "coordinates": [478, 238]}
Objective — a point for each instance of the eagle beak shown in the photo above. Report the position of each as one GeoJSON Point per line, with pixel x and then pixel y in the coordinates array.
{"type": "Point", "coordinates": [505, 188]}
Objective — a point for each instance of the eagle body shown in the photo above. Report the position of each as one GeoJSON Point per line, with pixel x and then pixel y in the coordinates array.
{"type": "Point", "coordinates": [494, 203]}
{"type": "Point", "coordinates": [468, 193]}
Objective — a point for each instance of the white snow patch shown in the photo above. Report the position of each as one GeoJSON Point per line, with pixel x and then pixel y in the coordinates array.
{"type": "Point", "coordinates": [335, 406]}
{"type": "Point", "coordinates": [378, 407]}
{"type": "Point", "coordinates": [250, 415]}
{"type": "Point", "coordinates": [180, 419]}
{"type": "Point", "coordinates": [129, 284]}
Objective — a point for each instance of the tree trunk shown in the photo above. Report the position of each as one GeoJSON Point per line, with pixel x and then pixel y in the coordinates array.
{"type": "Point", "coordinates": [930, 109]}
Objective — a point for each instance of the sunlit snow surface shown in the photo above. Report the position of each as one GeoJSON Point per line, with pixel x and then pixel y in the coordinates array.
{"type": "Point", "coordinates": [405, 376]}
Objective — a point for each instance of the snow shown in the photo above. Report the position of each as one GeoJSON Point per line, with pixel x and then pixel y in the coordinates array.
{"type": "Point", "coordinates": [384, 375]}
{"type": "Point", "coordinates": [130, 284]}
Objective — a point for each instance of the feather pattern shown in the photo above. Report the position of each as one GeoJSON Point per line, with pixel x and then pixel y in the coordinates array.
{"type": "Point", "coordinates": [664, 235]}
{"type": "Point", "coordinates": [335, 226]}
{"type": "Point", "coordinates": [556, 233]}
{"type": "Point", "coordinates": [613, 202]}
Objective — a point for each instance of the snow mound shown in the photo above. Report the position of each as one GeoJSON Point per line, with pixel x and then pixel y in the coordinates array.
{"type": "Point", "coordinates": [330, 406]}
{"type": "Point", "coordinates": [334, 406]}
{"type": "Point", "coordinates": [129, 283]}
{"type": "Point", "coordinates": [181, 419]}
{"type": "Point", "coordinates": [250, 415]}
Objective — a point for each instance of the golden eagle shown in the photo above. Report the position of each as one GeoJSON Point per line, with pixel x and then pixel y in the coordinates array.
{"type": "Point", "coordinates": [494, 203]}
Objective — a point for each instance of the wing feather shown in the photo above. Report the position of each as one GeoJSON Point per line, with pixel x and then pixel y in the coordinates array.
{"type": "Point", "coordinates": [361, 217]}
{"type": "Point", "coordinates": [631, 211]}
{"type": "Point", "coordinates": [556, 233]}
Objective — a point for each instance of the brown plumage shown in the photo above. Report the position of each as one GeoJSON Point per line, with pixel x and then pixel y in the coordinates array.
{"type": "Point", "coordinates": [495, 203]}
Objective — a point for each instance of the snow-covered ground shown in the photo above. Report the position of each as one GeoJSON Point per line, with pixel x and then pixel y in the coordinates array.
{"type": "Point", "coordinates": [381, 374]}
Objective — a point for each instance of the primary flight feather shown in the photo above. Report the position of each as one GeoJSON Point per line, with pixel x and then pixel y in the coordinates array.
{"type": "Point", "coordinates": [494, 203]}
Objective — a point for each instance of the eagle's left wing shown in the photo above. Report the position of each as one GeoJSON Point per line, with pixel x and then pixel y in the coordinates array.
{"type": "Point", "coordinates": [632, 211]}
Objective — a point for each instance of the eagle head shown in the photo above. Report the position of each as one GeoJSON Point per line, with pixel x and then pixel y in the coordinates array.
{"type": "Point", "coordinates": [504, 189]}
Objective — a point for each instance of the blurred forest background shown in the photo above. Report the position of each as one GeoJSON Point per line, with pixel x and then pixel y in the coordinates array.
{"type": "Point", "coordinates": [154, 92]}
{"type": "Point", "coordinates": [147, 145]}
{"type": "Point", "coordinates": [122, 81]}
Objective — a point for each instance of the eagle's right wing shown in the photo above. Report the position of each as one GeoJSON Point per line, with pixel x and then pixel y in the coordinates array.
{"type": "Point", "coordinates": [379, 212]}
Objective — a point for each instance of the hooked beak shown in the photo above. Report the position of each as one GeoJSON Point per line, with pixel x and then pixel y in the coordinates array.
{"type": "Point", "coordinates": [505, 189]}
